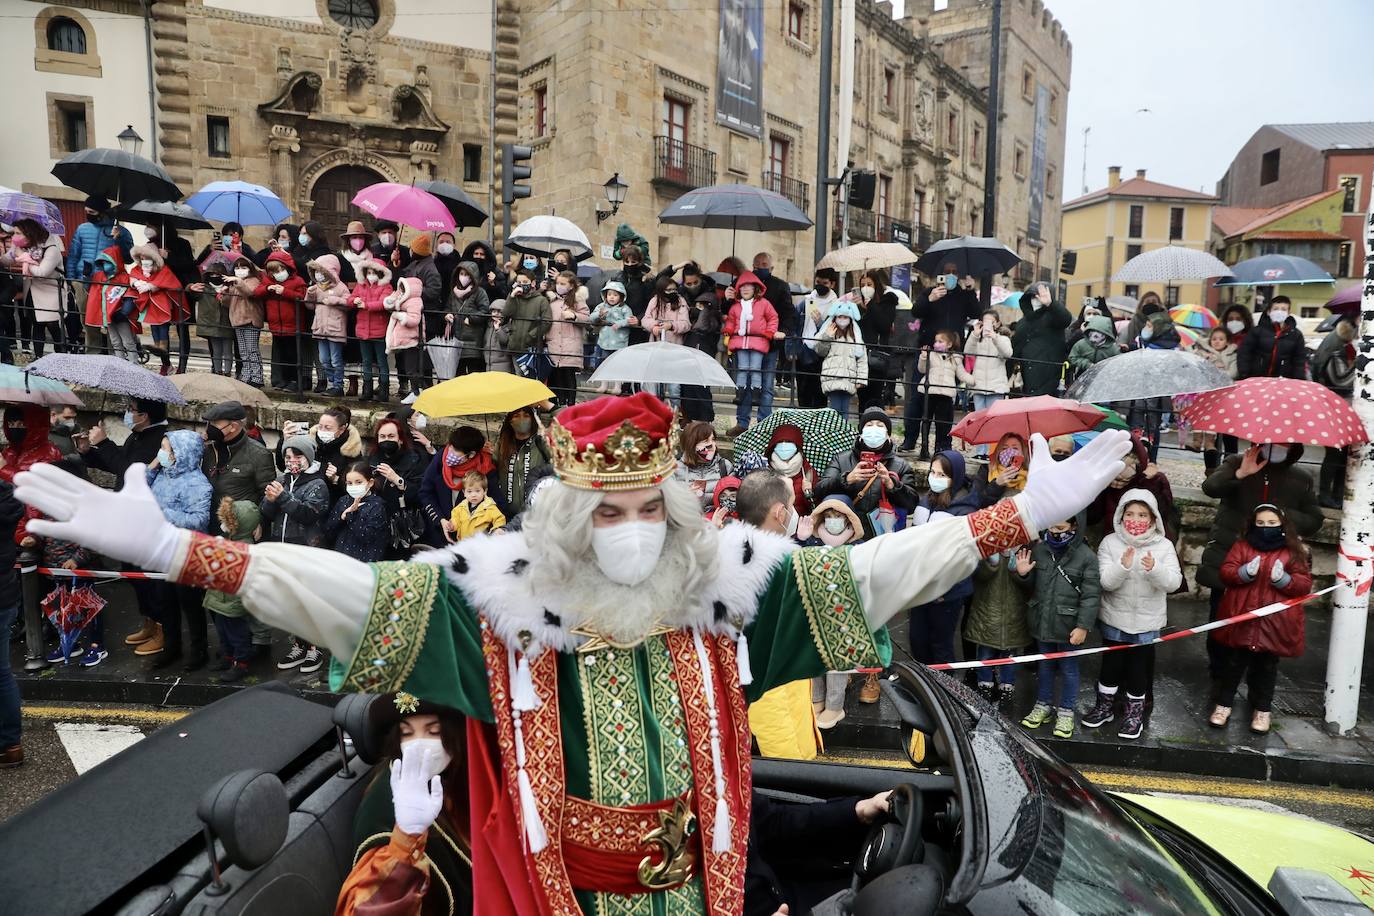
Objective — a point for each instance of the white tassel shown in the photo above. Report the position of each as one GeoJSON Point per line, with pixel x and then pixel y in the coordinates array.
{"type": "Point", "coordinates": [724, 826]}
{"type": "Point", "coordinates": [746, 674]}
{"type": "Point", "coordinates": [534, 827]}
{"type": "Point", "coordinates": [523, 696]}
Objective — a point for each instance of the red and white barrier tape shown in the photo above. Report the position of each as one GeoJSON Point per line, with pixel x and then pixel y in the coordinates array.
{"type": "Point", "coordinates": [92, 573]}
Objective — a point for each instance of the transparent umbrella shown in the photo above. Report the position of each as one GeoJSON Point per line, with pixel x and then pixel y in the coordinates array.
{"type": "Point", "coordinates": [1144, 374]}
{"type": "Point", "coordinates": [662, 363]}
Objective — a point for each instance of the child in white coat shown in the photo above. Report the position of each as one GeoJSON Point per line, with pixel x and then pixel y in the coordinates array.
{"type": "Point", "coordinates": [1139, 568]}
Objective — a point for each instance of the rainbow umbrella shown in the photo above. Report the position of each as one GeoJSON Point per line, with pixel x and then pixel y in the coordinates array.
{"type": "Point", "coordinates": [1194, 316]}
{"type": "Point", "coordinates": [1188, 335]}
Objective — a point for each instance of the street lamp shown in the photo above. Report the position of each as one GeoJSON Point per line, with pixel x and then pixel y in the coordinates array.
{"type": "Point", "coordinates": [615, 193]}
{"type": "Point", "coordinates": [130, 141]}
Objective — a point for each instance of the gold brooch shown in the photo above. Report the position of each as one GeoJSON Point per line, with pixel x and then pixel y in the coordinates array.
{"type": "Point", "coordinates": [406, 703]}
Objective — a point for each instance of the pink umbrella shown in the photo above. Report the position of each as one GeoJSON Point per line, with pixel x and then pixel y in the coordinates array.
{"type": "Point", "coordinates": [1044, 414]}
{"type": "Point", "coordinates": [407, 205]}
{"type": "Point", "coordinates": [1278, 410]}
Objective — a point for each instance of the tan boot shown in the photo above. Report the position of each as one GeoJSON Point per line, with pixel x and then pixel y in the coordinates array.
{"type": "Point", "coordinates": [1260, 723]}
{"type": "Point", "coordinates": [154, 645]}
{"type": "Point", "coordinates": [869, 692]}
{"type": "Point", "coordinates": [144, 633]}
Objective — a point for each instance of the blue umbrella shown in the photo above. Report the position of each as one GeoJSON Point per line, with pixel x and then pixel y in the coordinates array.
{"type": "Point", "coordinates": [1275, 270]}
{"type": "Point", "coordinates": [239, 202]}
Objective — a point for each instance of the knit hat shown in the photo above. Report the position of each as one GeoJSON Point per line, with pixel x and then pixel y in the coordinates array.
{"type": "Point", "coordinates": [303, 444]}
{"type": "Point", "coordinates": [422, 246]}
{"type": "Point", "coordinates": [876, 413]}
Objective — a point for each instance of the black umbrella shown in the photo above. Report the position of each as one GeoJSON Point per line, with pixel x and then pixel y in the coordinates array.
{"type": "Point", "coordinates": [971, 255]}
{"type": "Point", "coordinates": [117, 175]}
{"type": "Point", "coordinates": [466, 211]}
{"type": "Point", "coordinates": [735, 206]}
{"type": "Point", "coordinates": [1273, 270]}
{"type": "Point", "coordinates": [162, 213]}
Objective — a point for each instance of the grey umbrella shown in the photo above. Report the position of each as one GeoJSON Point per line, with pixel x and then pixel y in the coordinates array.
{"type": "Point", "coordinates": [117, 175]}
{"type": "Point", "coordinates": [735, 207]}
{"type": "Point", "coordinates": [466, 211]}
{"type": "Point", "coordinates": [662, 363]}
{"type": "Point", "coordinates": [107, 373]}
{"type": "Point", "coordinates": [971, 255]}
{"type": "Point", "coordinates": [1144, 374]}
{"type": "Point", "coordinates": [1274, 270]}
{"type": "Point", "coordinates": [162, 213]}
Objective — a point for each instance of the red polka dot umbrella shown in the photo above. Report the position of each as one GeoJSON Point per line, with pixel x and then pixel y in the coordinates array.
{"type": "Point", "coordinates": [1278, 410]}
{"type": "Point", "coordinates": [1044, 414]}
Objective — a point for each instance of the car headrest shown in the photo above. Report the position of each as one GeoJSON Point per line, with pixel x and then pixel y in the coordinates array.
{"type": "Point", "coordinates": [248, 811]}
{"type": "Point", "coordinates": [352, 715]}
{"type": "Point", "coordinates": [914, 889]}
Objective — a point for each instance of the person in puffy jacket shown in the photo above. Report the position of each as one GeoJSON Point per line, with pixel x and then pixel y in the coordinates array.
{"type": "Point", "coordinates": [282, 294]}
{"type": "Point", "coordinates": [1061, 572]}
{"type": "Point", "coordinates": [369, 298]}
{"type": "Point", "coordinates": [467, 315]}
{"type": "Point", "coordinates": [160, 297]}
{"type": "Point", "coordinates": [404, 331]}
{"type": "Point", "coordinates": [357, 525]}
{"type": "Point", "coordinates": [526, 313]}
{"type": "Point", "coordinates": [329, 297]}
{"type": "Point", "coordinates": [111, 307]}
{"type": "Point", "coordinates": [871, 473]}
{"type": "Point", "coordinates": [245, 317]}
{"type": "Point", "coordinates": [989, 343]}
{"type": "Point", "coordinates": [839, 344]}
{"type": "Point", "coordinates": [750, 326]}
{"type": "Point", "coordinates": [36, 254]}
{"type": "Point", "coordinates": [1269, 565]}
{"type": "Point", "coordinates": [1139, 568]}
{"type": "Point", "coordinates": [932, 625]}
{"type": "Point", "coordinates": [833, 524]}
{"type": "Point", "coordinates": [699, 462]}
{"type": "Point", "coordinates": [569, 316]}
{"type": "Point", "coordinates": [184, 495]}
{"type": "Point", "coordinates": [942, 368]}
{"type": "Point", "coordinates": [212, 315]}
{"type": "Point", "coordinates": [295, 507]}
{"type": "Point", "coordinates": [996, 624]}
{"type": "Point", "coordinates": [1274, 348]}
{"type": "Point", "coordinates": [1039, 340]}
{"type": "Point", "coordinates": [1097, 343]}
{"type": "Point", "coordinates": [26, 444]}
{"type": "Point", "coordinates": [1218, 350]}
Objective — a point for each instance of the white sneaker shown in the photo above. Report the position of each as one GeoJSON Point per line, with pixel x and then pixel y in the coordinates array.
{"type": "Point", "coordinates": [314, 658]}
{"type": "Point", "coordinates": [410, 398]}
{"type": "Point", "coordinates": [829, 718]}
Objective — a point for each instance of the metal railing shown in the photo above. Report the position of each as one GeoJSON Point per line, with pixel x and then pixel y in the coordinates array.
{"type": "Point", "coordinates": [861, 225]}
{"type": "Point", "coordinates": [799, 192]}
{"type": "Point", "coordinates": [923, 237]}
{"type": "Point", "coordinates": [678, 164]}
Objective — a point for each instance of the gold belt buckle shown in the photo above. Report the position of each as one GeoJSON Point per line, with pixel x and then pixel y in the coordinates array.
{"type": "Point", "coordinates": [672, 837]}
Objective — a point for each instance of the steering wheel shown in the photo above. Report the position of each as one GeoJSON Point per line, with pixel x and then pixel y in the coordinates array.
{"type": "Point", "coordinates": [896, 841]}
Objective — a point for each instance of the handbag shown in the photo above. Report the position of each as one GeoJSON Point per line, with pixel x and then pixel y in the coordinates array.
{"type": "Point", "coordinates": [407, 526]}
{"type": "Point", "coordinates": [535, 363]}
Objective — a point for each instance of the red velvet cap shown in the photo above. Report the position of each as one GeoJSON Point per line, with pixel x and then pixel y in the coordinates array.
{"type": "Point", "coordinates": [613, 443]}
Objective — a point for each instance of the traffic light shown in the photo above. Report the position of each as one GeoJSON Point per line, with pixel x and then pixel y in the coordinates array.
{"type": "Point", "coordinates": [1068, 262]}
{"type": "Point", "coordinates": [863, 186]}
{"type": "Point", "coordinates": [512, 153]}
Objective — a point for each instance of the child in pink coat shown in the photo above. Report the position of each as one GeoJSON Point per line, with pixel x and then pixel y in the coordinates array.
{"type": "Point", "coordinates": [404, 332]}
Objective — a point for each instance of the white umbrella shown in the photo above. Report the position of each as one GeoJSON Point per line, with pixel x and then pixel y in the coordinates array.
{"type": "Point", "coordinates": [1127, 304]}
{"type": "Point", "coordinates": [663, 363]}
{"type": "Point", "coordinates": [1171, 263]}
{"type": "Point", "coordinates": [867, 256]}
{"type": "Point", "coordinates": [543, 235]}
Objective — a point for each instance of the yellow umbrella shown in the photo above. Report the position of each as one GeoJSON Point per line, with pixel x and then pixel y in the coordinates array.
{"type": "Point", "coordinates": [480, 393]}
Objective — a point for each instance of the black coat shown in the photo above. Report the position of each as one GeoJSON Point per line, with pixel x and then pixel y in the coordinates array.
{"type": "Point", "coordinates": [779, 295]}
{"type": "Point", "coordinates": [11, 511]}
{"type": "Point", "coordinates": [811, 839]}
{"type": "Point", "coordinates": [384, 255]}
{"type": "Point", "coordinates": [1038, 342]}
{"type": "Point", "coordinates": [410, 465]}
{"type": "Point", "coordinates": [142, 445]}
{"type": "Point", "coordinates": [1265, 354]}
{"type": "Point", "coordinates": [495, 288]}
{"type": "Point", "coordinates": [951, 312]}
{"type": "Point", "coordinates": [706, 315]}
{"type": "Point", "coordinates": [904, 496]}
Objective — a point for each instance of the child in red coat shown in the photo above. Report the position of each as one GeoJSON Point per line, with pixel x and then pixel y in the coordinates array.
{"type": "Point", "coordinates": [283, 293]}
{"type": "Point", "coordinates": [160, 298]}
{"type": "Point", "coordinates": [750, 327]}
{"type": "Point", "coordinates": [1266, 566]}
{"type": "Point", "coordinates": [369, 296]}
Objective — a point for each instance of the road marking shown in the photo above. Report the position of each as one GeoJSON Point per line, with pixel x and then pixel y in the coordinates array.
{"type": "Point", "coordinates": [95, 714]}
{"type": "Point", "coordinates": [88, 744]}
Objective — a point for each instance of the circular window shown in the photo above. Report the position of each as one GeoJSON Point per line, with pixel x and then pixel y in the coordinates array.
{"type": "Point", "coordinates": [354, 14]}
{"type": "Point", "coordinates": [66, 35]}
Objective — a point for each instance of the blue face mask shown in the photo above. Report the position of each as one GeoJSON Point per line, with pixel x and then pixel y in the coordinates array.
{"type": "Point", "coordinates": [785, 450]}
{"type": "Point", "coordinates": [951, 281]}
{"type": "Point", "coordinates": [530, 263]}
{"type": "Point", "coordinates": [874, 436]}
{"type": "Point", "coordinates": [763, 273]}
{"type": "Point", "coordinates": [1147, 332]}
{"type": "Point", "coordinates": [129, 418]}
{"type": "Point", "coordinates": [304, 239]}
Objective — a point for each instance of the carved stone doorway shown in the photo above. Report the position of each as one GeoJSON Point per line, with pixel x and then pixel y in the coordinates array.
{"type": "Point", "coordinates": [330, 199]}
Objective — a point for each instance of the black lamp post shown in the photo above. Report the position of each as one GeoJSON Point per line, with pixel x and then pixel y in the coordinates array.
{"type": "Point", "coordinates": [615, 193]}
{"type": "Point", "coordinates": [130, 141]}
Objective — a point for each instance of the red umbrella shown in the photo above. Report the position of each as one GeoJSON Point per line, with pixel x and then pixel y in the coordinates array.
{"type": "Point", "coordinates": [1278, 410]}
{"type": "Point", "coordinates": [1044, 414]}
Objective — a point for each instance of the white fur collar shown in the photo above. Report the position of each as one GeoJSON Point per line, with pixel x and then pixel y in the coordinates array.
{"type": "Point", "coordinates": [492, 571]}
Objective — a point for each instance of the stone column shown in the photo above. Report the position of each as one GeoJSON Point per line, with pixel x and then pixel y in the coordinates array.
{"type": "Point", "coordinates": [424, 156]}
{"type": "Point", "coordinates": [171, 65]}
{"type": "Point", "coordinates": [282, 143]}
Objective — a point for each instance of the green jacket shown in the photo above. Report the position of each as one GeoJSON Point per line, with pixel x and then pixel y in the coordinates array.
{"type": "Point", "coordinates": [1084, 355]}
{"type": "Point", "coordinates": [247, 517]}
{"type": "Point", "coordinates": [246, 469]}
{"type": "Point", "coordinates": [1065, 589]}
{"type": "Point", "coordinates": [529, 319]}
{"type": "Point", "coordinates": [997, 613]}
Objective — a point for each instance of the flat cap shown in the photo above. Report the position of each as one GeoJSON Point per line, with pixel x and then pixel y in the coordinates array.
{"type": "Point", "coordinates": [226, 410]}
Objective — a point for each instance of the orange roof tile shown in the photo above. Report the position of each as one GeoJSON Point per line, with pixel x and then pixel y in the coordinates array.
{"type": "Point", "coordinates": [1228, 220]}
{"type": "Point", "coordinates": [1230, 224]}
{"type": "Point", "coordinates": [1141, 187]}
{"type": "Point", "coordinates": [1313, 235]}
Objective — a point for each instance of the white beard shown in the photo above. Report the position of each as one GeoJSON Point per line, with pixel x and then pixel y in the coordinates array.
{"type": "Point", "coordinates": [625, 614]}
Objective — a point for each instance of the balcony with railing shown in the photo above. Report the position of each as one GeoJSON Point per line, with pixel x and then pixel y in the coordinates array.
{"type": "Point", "coordinates": [799, 192]}
{"type": "Point", "coordinates": [681, 166]}
{"type": "Point", "coordinates": [861, 226]}
{"type": "Point", "coordinates": [923, 237]}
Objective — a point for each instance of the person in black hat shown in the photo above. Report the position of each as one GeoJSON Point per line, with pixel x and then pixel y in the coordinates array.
{"type": "Point", "coordinates": [871, 474]}
{"type": "Point", "coordinates": [388, 248]}
{"type": "Point", "coordinates": [238, 466]}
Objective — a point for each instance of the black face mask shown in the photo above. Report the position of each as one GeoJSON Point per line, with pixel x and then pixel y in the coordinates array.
{"type": "Point", "coordinates": [64, 427]}
{"type": "Point", "coordinates": [16, 435]}
{"type": "Point", "coordinates": [92, 217]}
{"type": "Point", "coordinates": [214, 434]}
{"type": "Point", "coordinates": [389, 449]}
{"type": "Point", "coordinates": [1265, 539]}
{"type": "Point", "coordinates": [822, 290]}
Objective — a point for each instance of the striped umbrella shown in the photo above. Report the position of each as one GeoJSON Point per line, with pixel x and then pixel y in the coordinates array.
{"type": "Point", "coordinates": [1189, 336]}
{"type": "Point", "coordinates": [1194, 316]}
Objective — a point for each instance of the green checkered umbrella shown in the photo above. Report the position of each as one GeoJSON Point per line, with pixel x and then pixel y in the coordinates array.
{"type": "Point", "coordinates": [824, 434]}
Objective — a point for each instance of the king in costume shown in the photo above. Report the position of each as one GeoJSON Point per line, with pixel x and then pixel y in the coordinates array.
{"type": "Point", "coordinates": [608, 743]}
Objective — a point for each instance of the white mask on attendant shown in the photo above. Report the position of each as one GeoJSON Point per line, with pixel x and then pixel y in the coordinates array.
{"type": "Point", "coordinates": [356, 490]}
{"type": "Point", "coordinates": [628, 552]}
{"type": "Point", "coordinates": [439, 758]}
{"type": "Point", "coordinates": [241, 272]}
{"type": "Point", "coordinates": [147, 265]}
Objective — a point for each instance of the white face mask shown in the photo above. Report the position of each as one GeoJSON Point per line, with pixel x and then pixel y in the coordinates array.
{"type": "Point", "coordinates": [842, 321]}
{"type": "Point", "coordinates": [793, 520]}
{"type": "Point", "coordinates": [787, 467]}
{"type": "Point", "coordinates": [866, 292]}
{"type": "Point", "coordinates": [1278, 316]}
{"type": "Point", "coordinates": [628, 552]}
{"type": "Point", "coordinates": [147, 265]}
{"type": "Point", "coordinates": [464, 281]}
{"type": "Point", "coordinates": [438, 757]}
{"type": "Point", "coordinates": [241, 272]}
{"type": "Point", "coordinates": [874, 436]}
{"type": "Point", "coordinates": [1235, 326]}
{"type": "Point", "coordinates": [387, 239]}
{"type": "Point", "coordinates": [324, 436]}
{"type": "Point", "coordinates": [445, 248]}
{"type": "Point", "coordinates": [280, 275]}
{"type": "Point", "coordinates": [421, 421]}
{"type": "Point", "coordinates": [1274, 452]}
{"type": "Point", "coordinates": [321, 277]}
{"type": "Point", "coordinates": [835, 524]}
{"type": "Point", "coordinates": [938, 483]}
{"type": "Point", "coordinates": [356, 490]}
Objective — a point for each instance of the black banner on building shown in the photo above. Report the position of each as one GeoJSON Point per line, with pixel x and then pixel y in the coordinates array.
{"type": "Point", "coordinates": [739, 70]}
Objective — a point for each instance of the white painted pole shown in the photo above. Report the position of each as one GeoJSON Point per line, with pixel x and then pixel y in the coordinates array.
{"type": "Point", "coordinates": [1355, 562]}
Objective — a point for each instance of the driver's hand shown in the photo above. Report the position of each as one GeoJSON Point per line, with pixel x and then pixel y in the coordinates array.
{"type": "Point", "coordinates": [869, 810]}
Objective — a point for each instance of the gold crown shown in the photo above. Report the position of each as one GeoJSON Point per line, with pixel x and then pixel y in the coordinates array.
{"type": "Point", "coordinates": [629, 460]}
{"type": "Point", "coordinates": [406, 703]}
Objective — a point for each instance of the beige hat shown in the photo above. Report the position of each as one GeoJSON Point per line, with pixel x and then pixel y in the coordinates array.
{"type": "Point", "coordinates": [355, 227]}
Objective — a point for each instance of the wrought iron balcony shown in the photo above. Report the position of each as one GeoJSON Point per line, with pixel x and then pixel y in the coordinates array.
{"type": "Point", "coordinates": [682, 165]}
{"type": "Point", "coordinates": [799, 192]}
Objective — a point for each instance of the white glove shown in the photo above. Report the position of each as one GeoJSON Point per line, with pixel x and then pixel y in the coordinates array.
{"type": "Point", "coordinates": [417, 800]}
{"type": "Point", "coordinates": [128, 525]}
{"type": "Point", "coordinates": [1276, 573]}
{"type": "Point", "coordinates": [1059, 490]}
{"type": "Point", "coordinates": [1252, 568]}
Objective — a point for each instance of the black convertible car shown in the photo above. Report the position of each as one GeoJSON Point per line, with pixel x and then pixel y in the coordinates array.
{"type": "Point", "coordinates": [246, 807]}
